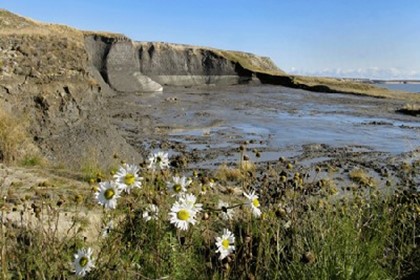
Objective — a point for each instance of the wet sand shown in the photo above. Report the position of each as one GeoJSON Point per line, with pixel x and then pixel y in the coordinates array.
{"type": "Point", "coordinates": [205, 127]}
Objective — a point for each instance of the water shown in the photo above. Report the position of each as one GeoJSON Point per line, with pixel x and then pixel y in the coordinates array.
{"type": "Point", "coordinates": [289, 119]}
{"type": "Point", "coordinates": [403, 87]}
{"type": "Point", "coordinates": [211, 123]}
{"type": "Point", "coordinates": [336, 130]}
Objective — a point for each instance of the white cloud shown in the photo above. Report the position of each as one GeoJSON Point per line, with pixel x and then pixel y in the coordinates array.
{"type": "Point", "coordinates": [369, 73]}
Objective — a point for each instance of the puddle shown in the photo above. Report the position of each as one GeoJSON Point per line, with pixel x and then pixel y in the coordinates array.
{"type": "Point", "coordinates": [343, 130]}
{"type": "Point", "coordinates": [313, 161]}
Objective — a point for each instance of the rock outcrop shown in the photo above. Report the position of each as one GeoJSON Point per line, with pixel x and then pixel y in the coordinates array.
{"type": "Point", "coordinates": [46, 76]}
{"type": "Point", "coordinates": [60, 78]}
{"type": "Point", "coordinates": [183, 65]}
{"type": "Point", "coordinates": [118, 62]}
{"type": "Point", "coordinates": [147, 66]}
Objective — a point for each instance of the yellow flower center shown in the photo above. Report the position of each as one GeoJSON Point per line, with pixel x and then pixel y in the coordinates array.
{"type": "Point", "coordinates": [83, 261]}
{"type": "Point", "coordinates": [225, 243]}
{"type": "Point", "coordinates": [177, 188]}
{"type": "Point", "coordinates": [183, 215]}
{"type": "Point", "coordinates": [109, 194]}
{"type": "Point", "coordinates": [255, 202]}
{"type": "Point", "coordinates": [129, 179]}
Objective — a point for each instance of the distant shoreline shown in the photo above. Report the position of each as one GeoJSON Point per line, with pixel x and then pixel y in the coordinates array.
{"type": "Point", "coordinates": [376, 81]}
{"type": "Point", "coordinates": [396, 81]}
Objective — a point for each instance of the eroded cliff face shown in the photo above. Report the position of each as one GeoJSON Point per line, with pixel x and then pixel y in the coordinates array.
{"type": "Point", "coordinates": [47, 78]}
{"type": "Point", "coordinates": [182, 65]}
{"type": "Point", "coordinates": [61, 79]}
{"type": "Point", "coordinates": [147, 66]}
{"type": "Point", "coordinates": [116, 60]}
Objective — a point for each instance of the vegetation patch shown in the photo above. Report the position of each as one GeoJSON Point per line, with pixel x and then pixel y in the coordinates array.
{"type": "Point", "coordinates": [158, 222]}
{"type": "Point", "coordinates": [410, 109]}
{"type": "Point", "coordinates": [15, 143]}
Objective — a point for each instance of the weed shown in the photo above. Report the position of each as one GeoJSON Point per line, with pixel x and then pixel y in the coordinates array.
{"type": "Point", "coordinates": [15, 143]}
{"type": "Point", "coordinates": [303, 232]}
{"type": "Point", "coordinates": [360, 176]}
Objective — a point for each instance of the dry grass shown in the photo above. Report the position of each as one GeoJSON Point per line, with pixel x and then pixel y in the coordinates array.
{"type": "Point", "coordinates": [361, 177]}
{"type": "Point", "coordinates": [105, 34]}
{"type": "Point", "coordinates": [348, 86]}
{"type": "Point", "coordinates": [12, 24]}
{"type": "Point", "coordinates": [329, 186]}
{"type": "Point", "coordinates": [90, 166]}
{"type": "Point", "coordinates": [410, 109]}
{"type": "Point", "coordinates": [15, 143]}
{"type": "Point", "coordinates": [299, 236]}
{"type": "Point", "coordinates": [252, 62]}
{"type": "Point", "coordinates": [235, 173]}
{"type": "Point", "coordinates": [226, 173]}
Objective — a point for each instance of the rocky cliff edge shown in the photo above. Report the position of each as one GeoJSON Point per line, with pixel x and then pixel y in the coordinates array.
{"type": "Point", "coordinates": [59, 78]}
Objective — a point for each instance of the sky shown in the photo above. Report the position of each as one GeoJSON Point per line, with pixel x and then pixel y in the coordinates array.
{"type": "Point", "coordinates": [377, 39]}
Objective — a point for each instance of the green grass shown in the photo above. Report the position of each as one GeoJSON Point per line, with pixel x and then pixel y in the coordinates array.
{"type": "Point", "coordinates": [305, 232]}
{"type": "Point", "coordinates": [32, 160]}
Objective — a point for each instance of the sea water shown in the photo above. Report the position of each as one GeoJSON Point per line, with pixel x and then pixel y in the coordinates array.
{"type": "Point", "coordinates": [292, 118]}
{"type": "Point", "coordinates": [409, 87]}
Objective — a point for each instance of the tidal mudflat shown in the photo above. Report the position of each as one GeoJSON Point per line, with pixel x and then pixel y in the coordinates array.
{"type": "Point", "coordinates": [205, 127]}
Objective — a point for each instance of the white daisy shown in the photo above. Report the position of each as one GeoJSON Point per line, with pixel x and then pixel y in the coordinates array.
{"type": "Point", "coordinates": [225, 244]}
{"type": "Point", "coordinates": [107, 229]}
{"type": "Point", "coordinates": [254, 203]}
{"type": "Point", "coordinates": [151, 212]}
{"type": "Point", "coordinates": [287, 224]}
{"type": "Point", "coordinates": [127, 177]}
{"type": "Point", "coordinates": [83, 261]}
{"type": "Point", "coordinates": [107, 194]}
{"type": "Point", "coordinates": [203, 189]}
{"type": "Point", "coordinates": [226, 213]}
{"type": "Point", "coordinates": [191, 200]}
{"type": "Point", "coordinates": [212, 184]}
{"type": "Point", "coordinates": [182, 214]}
{"type": "Point", "coordinates": [178, 185]}
{"type": "Point", "coordinates": [159, 160]}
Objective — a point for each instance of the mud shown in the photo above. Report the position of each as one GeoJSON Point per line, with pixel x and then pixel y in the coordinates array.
{"type": "Point", "coordinates": [204, 127]}
{"type": "Point", "coordinates": [323, 136]}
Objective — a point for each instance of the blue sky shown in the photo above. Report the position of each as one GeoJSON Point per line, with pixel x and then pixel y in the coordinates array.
{"type": "Point", "coordinates": [350, 38]}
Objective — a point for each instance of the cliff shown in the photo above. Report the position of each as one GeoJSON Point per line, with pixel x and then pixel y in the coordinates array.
{"type": "Point", "coordinates": [60, 78]}
{"type": "Point", "coordinates": [46, 78]}
{"type": "Point", "coordinates": [171, 64]}
{"type": "Point", "coordinates": [129, 66]}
